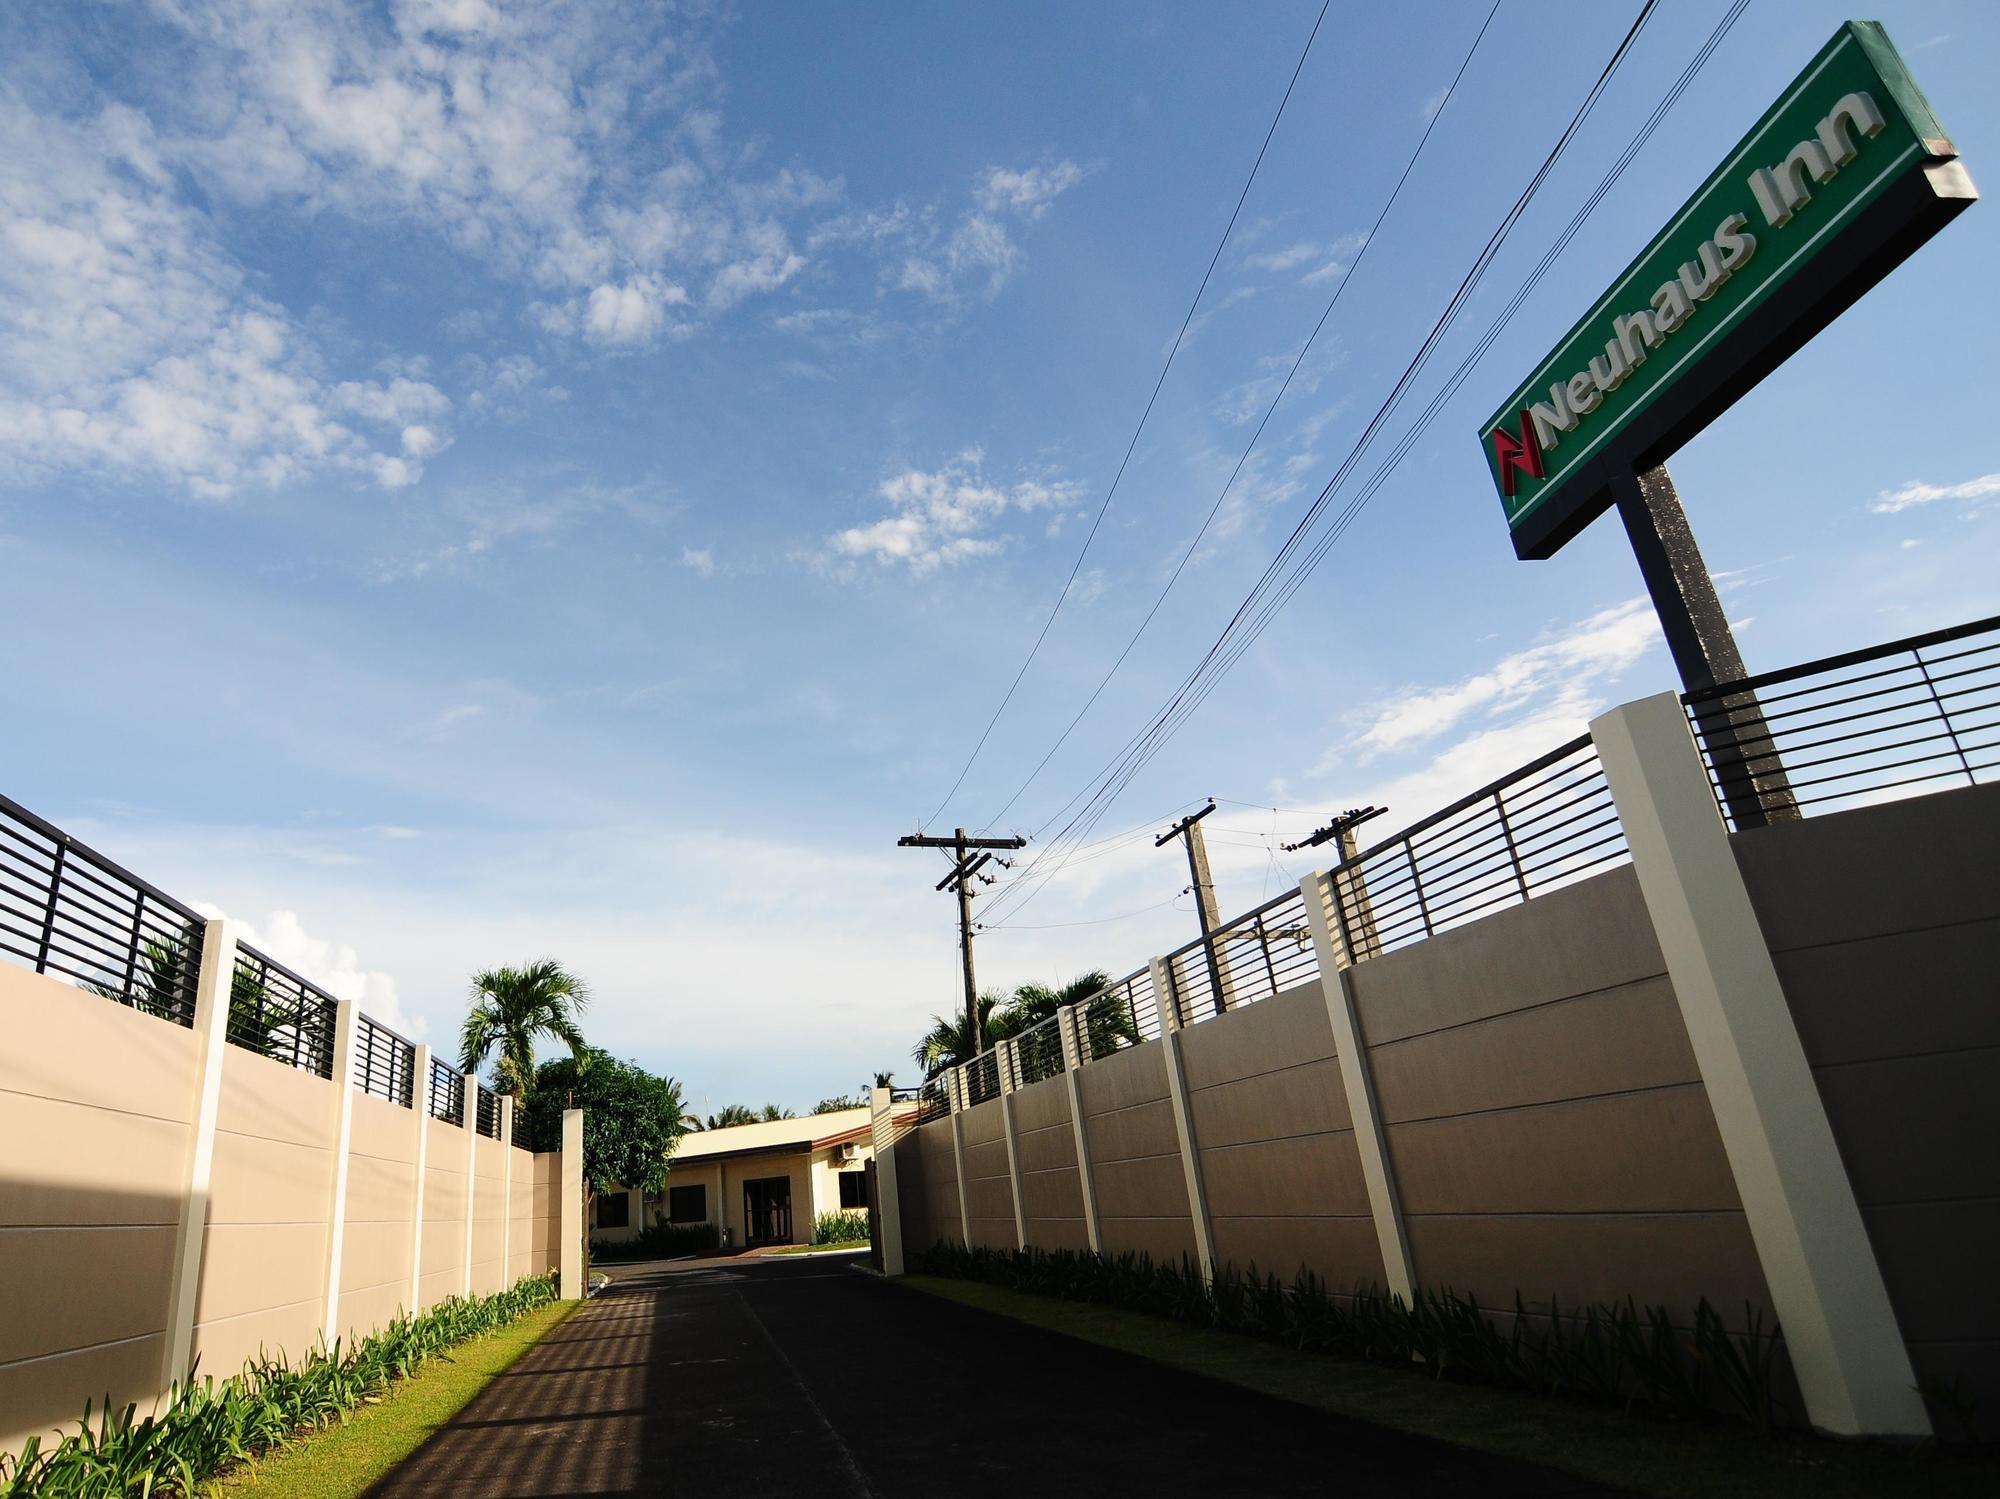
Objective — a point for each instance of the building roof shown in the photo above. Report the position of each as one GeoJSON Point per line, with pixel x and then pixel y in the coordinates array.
{"type": "Point", "coordinates": [776, 1134]}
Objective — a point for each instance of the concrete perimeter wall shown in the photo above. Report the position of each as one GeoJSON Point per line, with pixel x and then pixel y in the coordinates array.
{"type": "Point", "coordinates": [97, 1111]}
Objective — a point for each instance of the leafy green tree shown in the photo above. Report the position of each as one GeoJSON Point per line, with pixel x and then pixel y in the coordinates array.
{"type": "Point", "coordinates": [1107, 1022]}
{"type": "Point", "coordinates": [885, 1079]}
{"type": "Point", "coordinates": [632, 1120]}
{"type": "Point", "coordinates": [948, 1044]}
{"type": "Point", "coordinates": [511, 1009]}
{"type": "Point", "coordinates": [835, 1105]}
{"type": "Point", "coordinates": [730, 1115]}
{"type": "Point", "coordinates": [772, 1113]}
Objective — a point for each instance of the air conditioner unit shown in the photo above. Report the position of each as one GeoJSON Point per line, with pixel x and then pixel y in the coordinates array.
{"type": "Point", "coordinates": [847, 1154]}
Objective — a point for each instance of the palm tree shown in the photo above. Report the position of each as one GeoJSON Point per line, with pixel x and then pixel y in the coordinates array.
{"type": "Point", "coordinates": [731, 1114]}
{"type": "Point", "coordinates": [511, 1008]}
{"type": "Point", "coordinates": [948, 1043]}
{"type": "Point", "coordinates": [1107, 1022]}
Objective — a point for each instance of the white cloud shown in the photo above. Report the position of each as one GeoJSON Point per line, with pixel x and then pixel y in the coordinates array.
{"type": "Point", "coordinates": [633, 312]}
{"type": "Point", "coordinates": [334, 966]}
{"type": "Point", "coordinates": [1028, 192]}
{"type": "Point", "coordinates": [1285, 259]}
{"type": "Point", "coordinates": [1334, 257]}
{"type": "Point", "coordinates": [698, 560]}
{"type": "Point", "coordinates": [1914, 493]}
{"type": "Point", "coordinates": [941, 517]}
{"type": "Point", "coordinates": [975, 251]}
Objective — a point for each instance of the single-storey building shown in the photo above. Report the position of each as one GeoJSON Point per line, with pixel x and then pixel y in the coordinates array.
{"type": "Point", "coordinates": [759, 1183]}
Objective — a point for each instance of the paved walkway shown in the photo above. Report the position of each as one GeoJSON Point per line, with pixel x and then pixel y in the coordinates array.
{"type": "Point", "coordinates": [754, 1377]}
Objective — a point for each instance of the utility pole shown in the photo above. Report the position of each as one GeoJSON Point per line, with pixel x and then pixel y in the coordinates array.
{"type": "Point", "coordinates": [963, 871]}
{"type": "Point", "coordinates": [1189, 827]}
{"type": "Point", "coordinates": [1360, 944]}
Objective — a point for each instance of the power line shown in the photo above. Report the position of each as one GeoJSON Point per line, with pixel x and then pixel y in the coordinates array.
{"type": "Point", "coordinates": [1050, 926]}
{"type": "Point", "coordinates": [1304, 349]}
{"type": "Point", "coordinates": [1133, 445]}
{"type": "Point", "coordinates": [1104, 788]}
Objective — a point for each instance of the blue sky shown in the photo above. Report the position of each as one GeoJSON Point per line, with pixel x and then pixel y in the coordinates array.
{"type": "Point", "coordinates": [487, 480]}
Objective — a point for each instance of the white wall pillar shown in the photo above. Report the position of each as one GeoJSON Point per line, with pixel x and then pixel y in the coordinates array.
{"type": "Point", "coordinates": [346, 1026]}
{"type": "Point", "coordinates": [1072, 1027]}
{"type": "Point", "coordinates": [506, 1190]}
{"type": "Point", "coordinates": [468, 1115]}
{"type": "Point", "coordinates": [888, 1206]}
{"type": "Point", "coordinates": [420, 1108]}
{"type": "Point", "coordinates": [211, 1024]}
{"type": "Point", "coordinates": [1839, 1327]}
{"type": "Point", "coordinates": [1357, 1080]}
{"type": "Point", "coordinates": [1177, 1097]}
{"type": "Point", "coordinates": [1004, 1063]}
{"type": "Point", "coordinates": [956, 1079]}
{"type": "Point", "coordinates": [570, 1256]}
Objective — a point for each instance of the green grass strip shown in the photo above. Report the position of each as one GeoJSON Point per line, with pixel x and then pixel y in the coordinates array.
{"type": "Point", "coordinates": [1694, 1460]}
{"type": "Point", "coordinates": [341, 1461]}
{"type": "Point", "coordinates": [845, 1246]}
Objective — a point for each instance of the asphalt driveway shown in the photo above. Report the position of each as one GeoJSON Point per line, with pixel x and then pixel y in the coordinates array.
{"type": "Point", "coordinates": [755, 1377]}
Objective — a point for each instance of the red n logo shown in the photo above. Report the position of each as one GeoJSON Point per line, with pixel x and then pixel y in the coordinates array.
{"type": "Point", "coordinates": [1511, 453]}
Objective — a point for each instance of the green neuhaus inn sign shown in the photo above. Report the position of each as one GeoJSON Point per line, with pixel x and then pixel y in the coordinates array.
{"type": "Point", "coordinates": [1839, 181]}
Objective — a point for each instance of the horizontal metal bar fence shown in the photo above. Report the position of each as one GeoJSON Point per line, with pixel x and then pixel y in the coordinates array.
{"type": "Point", "coordinates": [982, 1078]}
{"type": "Point", "coordinates": [1914, 715]}
{"type": "Point", "coordinates": [933, 1099]}
{"type": "Point", "coordinates": [1038, 1053]}
{"type": "Point", "coordinates": [1193, 995]}
{"type": "Point", "coordinates": [486, 1118]}
{"type": "Point", "coordinates": [1142, 1013]}
{"type": "Point", "coordinates": [446, 1098]}
{"type": "Point", "coordinates": [384, 1063]}
{"type": "Point", "coordinates": [69, 912]}
{"type": "Point", "coordinates": [277, 1014]}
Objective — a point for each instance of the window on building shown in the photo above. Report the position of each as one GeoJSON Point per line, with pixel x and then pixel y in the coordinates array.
{"type": "Point", "coordinates": [854, 1189]}
{"type": "Point", "coordinates": [615, 1210]}
{"type": "Point", "coordinates": [687, 1204]}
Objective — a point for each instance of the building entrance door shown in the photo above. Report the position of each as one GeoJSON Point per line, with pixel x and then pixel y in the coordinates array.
{"type": "Point", "coordinates": [767, 1211]}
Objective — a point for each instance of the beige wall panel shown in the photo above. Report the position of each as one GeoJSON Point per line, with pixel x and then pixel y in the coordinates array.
{"type": "Point", "coordinates": [1609, 1042]}
{"type": "Point", "coordinates": [383, 1129]}
{"type": "Point", "coordinates": [1517, 957]}
{"type": "Point", "coordinates": [990, 1198]}
{"type": "Point", "coordinates": [444, 1243]}
{"type": "Point", "coordinates": [1306, 1099]}
{"type": "Point", "coordinates": [1041, 1105]}
{"type": "Point", "coordinates": [1635, 1152]}
{"type": "Point", "coordinates": [374, 1254]}
{"type": "Point", "coordinates": [38, 1397]}
{"type": "Point", "coordinates": [1308, 1175]}
{"type": "Point", "coordinates": [1052, 1194]}
{"type": "Point", "coordinates": [489, 1167]}
{"type": "Point", "coordinates": [1669, 1259]}
{"type": "Point", "coordinates": [1941, 980]}
{"type": "Point", "coordinates": [70, 1163]}
{"type": "Point", "coordinates": [1155, 1188]}
{"type": "Point", "coordinates": [1258, 1038]}
{"type": "Point", "coordinates": [1902, 866]}
{"type": "Point", "coordinates": [1058, 1233]}
{"type": "Point", "coordinates": [379, 1190]}
{"type": "Point", "coordinates": [985, 1160]}
{"type": "Point", "coordinates": [522, 1164]}
{"type": "Point", "coordinates": [64, 1043]}
{"type": "Point", "coordinates": [446, 1147]}
{"type": "Point", "coordinates": [222, 1348]}
{"type": "Point", "coordinates": [1915, 1129]}
{"type": "Point", "coordinates": [544, 1200]}
{"type": "Point", "coordinates": [365, 1312]}
{"type": "Point", "coordinates": [1146, 1129]}
{"type": "Point", "coordinates": [1343, 1252]}
{"type": "Point", "coordinates": [272, 1101]}
{"type": "Point", "coordinates": [251, 1267]}
{"type": "Point", "coordinates": [981, 1123]}
{"type": "Point", "coordinates": [1167, 1240]}
{"type": "Point", "coordinates": [258, 1180]}
{"type": "Point", "coordinates": [1937, 1258]}
{"type": "Point", "coordinates": [75, 1288]}
{"type": "Point", "coordinates": [435, 1287]}
{"type": "Point", "coordinates": [1122, 1080]}
{"type": "Point", "coordinates": [993, 1233]}
{"type": "Point", "coordinates": [1047, 1149]}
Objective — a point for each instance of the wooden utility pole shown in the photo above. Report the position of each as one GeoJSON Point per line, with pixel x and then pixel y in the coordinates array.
{"type": "Point", "coordinates": [1358, 935]}
{"type": "Point", "coordinates": [1189, 827]}
{"type": "Point", "coordinates": [960, 879]}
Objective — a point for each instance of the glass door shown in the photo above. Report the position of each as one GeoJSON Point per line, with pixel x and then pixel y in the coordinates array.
{"type": "Point", "coordinates": [767, 1211]}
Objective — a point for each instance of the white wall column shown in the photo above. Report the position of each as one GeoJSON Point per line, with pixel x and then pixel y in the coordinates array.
{"type": "Point", "coordinates": [1177, 1097]}
{"type": "Point", "coordinates": [468, 1115]}
{"type": "Point", "coordinates": [1840, 1330]}
{"type": "Point", "coordinates": [211, 1026]}
{"type": "Point", "coordinates": [1004, 1059]}
{"type": "Point", "coordinates": [420, 1107]}
{"type": "Point", "coordinates": [1072, 1028]}
{"type": "Point", "coordinates": [1357, 1080]}
{"type": "Point", "coordinates": [956, 1081]}
{"type": "Point", "coordinates": [346, 1026]}
{"type": "Point", "coordinates": [887, 1207]}
{"type": "Point", "coordinates": [506, 1190]}
{"type": "Point", "coordinates": [570, 1255]}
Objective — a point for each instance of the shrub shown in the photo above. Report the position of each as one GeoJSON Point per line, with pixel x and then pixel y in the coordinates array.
{"type": "Point", "coordinates": [1617, 1353]}
{"type": "Point", "coordinates": [840, 1228]}
{"type": "Point", "coordinates": [662, 1241]}
{"type": "Point", "coordinates": [204, 1426]}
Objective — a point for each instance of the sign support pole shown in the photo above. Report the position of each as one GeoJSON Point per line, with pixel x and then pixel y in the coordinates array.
{"type": "Point", "coordinates": [1702, 644]}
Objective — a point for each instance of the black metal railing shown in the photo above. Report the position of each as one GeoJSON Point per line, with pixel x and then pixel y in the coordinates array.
{"type": "Point", "coordinates": [1038, 1053]}
{"type": "Point", "coordinates": [384, 1063]}
{"type": "Point", "coordinates": [1142, 1012]}
{"type": "Point", "coordinates": [982, 1078]}
{"type": "Point", "coordinates": [1917, 714]}
{"type": "Point", "coordinates": [67, 911]}
{"type": "Point", "coordinates": [933, 1099]}
{"type": "Point", "coordinates": [486, 1116]}
{"type": "Point", "coordinates": [1547, 824]}
{"type": "Point", "coordinates": [446, 1098]}
{"type": "Point", "coordinates": [277, 1014]}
